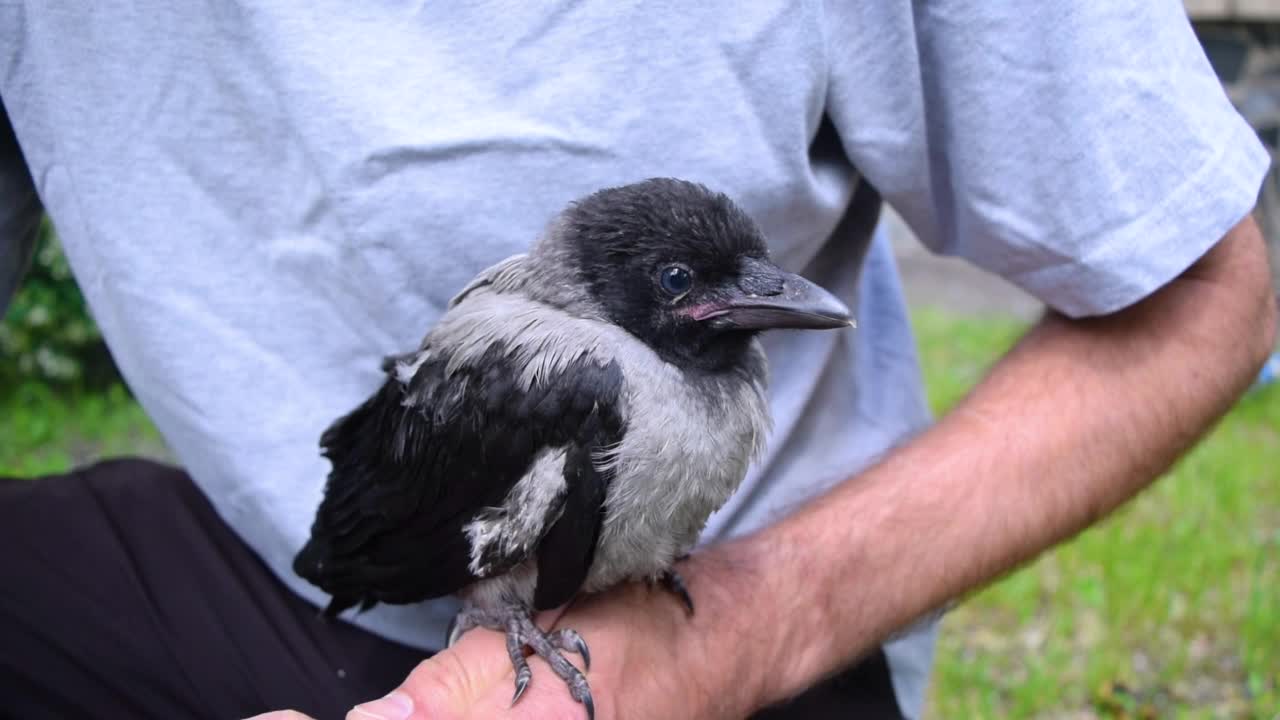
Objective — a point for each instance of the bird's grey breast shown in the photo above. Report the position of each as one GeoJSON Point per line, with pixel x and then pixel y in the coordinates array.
{"type": "Point", "coordinates": [689, 441]}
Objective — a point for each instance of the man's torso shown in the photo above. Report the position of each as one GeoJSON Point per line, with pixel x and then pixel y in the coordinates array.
{"type": "Point", "coordinates": [262, 202]}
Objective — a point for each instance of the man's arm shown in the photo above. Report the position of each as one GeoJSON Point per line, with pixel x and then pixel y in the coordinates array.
{"type": "Point", "coordinates": [1075, 420]}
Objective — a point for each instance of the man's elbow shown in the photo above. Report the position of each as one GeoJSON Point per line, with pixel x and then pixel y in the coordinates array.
{"type": "Point", "coordinates": [1253, 281]}
{"type": "Point", "coordinates": [1269, 325]}
{"type": "Point", "coordinates": [1242, 301]}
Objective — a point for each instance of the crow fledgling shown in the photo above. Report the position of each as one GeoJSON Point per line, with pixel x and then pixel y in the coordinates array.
{"type": "Point", "coordinates": [570, 423]}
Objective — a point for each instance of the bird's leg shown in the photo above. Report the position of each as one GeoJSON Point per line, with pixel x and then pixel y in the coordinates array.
{"type": "Point", "coordinates": [674, 584]}
{"type": "Point", "coordinates": [517, 622]}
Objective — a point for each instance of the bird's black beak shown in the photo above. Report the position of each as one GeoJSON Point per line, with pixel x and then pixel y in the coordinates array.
{"type": "Point", "coordinates": [767, 297]}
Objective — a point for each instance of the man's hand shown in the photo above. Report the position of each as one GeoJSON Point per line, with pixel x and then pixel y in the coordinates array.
{"type": "Point", "coordinates": [630, 631]}
{"type": "Point", "coordinates": [646, 662]}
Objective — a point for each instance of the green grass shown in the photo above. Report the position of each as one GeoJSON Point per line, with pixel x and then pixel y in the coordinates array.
{"type": "Point", "coordinates": [43, 432]}
{"type": "Point", "coordinates": [1169, 608]}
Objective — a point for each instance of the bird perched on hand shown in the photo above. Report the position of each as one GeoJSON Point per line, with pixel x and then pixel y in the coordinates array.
{"type": "Point", "coordinates": [570, 423]}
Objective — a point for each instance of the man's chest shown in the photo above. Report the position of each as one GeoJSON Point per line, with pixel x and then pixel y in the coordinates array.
{"type": "Point", "coordinates": [398, 148]}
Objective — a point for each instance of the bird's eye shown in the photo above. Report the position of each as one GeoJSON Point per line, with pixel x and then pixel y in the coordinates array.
{"type": "Point", "coordinates": [675, 279]}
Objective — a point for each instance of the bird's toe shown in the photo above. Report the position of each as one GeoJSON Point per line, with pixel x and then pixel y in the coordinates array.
{"type": "Point", "coordinates": [567, 639]}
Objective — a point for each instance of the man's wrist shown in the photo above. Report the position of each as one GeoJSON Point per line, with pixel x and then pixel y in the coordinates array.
{"type": "Point", "coordinates": [747, 655]}
{"type": "Point", "coordinates": [709, 665]}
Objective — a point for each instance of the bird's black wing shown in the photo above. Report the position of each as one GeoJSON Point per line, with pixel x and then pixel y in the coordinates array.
{"type": "Point", "coordinates": [416, 462]}
{"type": "Point", "coordinates": [566, 551]}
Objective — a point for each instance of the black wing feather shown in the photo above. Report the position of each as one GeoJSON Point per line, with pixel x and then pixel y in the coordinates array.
{"type": "Point", "coordinates": [412, 465]}
{"type": "Point", "coordinates": [566, 551]}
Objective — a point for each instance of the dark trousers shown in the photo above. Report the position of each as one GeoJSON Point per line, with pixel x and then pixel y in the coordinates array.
{"type": "Point", "coordinates": [124, 595]}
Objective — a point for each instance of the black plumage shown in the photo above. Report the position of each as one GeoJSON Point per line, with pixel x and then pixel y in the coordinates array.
{"type": "Point", "coordinates": [415, 463]}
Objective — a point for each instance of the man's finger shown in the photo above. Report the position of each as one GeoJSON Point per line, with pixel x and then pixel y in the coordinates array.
{"type": "Point", "coordinates": [395, 706]}
{"type": "Point", "coordinates": [447, 685]}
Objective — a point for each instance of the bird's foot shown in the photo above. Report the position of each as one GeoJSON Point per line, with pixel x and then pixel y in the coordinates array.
{"type": "Point", "coordinates": [522, 632]}
{"type": "Point", "coordinates": [674, 584]}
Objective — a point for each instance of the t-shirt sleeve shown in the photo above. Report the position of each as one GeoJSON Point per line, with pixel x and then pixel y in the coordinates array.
{"type": "Point", "coordinates": [1084, 151]}
{"type": "Point", "coordinates": [20, 213]}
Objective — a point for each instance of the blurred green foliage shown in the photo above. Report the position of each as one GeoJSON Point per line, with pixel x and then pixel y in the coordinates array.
{"type": "Point", "coordinates": [45, 431]}
{"type": "Point", "coordinates": [62, 402]}
{"type": "Point", "coordinates": [48, 335]}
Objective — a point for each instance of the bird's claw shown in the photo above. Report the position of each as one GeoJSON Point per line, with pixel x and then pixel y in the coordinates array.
{"type": "Point", "coordinates": [522, 682]}
{"type": "Point", "coordinates": [585, 653]}
{"type": "Point", "coordinates": [459, 625]}
{"type": "Point", "coordinates": [580, 691]}
{"type": "Point", "coordinates": [566, 639]}
{"type": "Point", "coordinates": [672, 581]}
{"type": "Point", "coordinates": [451, 632]}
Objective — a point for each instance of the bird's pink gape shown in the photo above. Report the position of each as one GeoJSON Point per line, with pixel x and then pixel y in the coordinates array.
{"type": "Point", "coordinates": [702, 311]}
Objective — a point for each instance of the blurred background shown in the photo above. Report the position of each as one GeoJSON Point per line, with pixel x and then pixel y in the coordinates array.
{"type": "Point", "coordinates": [1170, 608]}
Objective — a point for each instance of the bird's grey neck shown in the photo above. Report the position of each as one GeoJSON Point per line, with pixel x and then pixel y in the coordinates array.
{"type": "Point", "coordinates": [546, 274]}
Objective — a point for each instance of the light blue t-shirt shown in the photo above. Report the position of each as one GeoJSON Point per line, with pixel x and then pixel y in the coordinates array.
{"type": "Point", "coordinates": [260, 200]}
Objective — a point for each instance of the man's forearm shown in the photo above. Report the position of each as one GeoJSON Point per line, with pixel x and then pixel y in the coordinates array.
{"type": "Point", "coordinates": [1079, 417]}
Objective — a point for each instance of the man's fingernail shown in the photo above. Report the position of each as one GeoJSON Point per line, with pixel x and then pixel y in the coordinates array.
{"type": "Point", "coordinates": [396, 706]}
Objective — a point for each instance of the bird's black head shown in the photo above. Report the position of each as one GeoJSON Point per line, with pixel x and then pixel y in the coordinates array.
{"type": "Point", "coordinates": [687, 271]}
